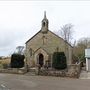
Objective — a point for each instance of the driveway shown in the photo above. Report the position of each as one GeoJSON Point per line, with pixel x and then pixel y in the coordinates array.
{"type": "Point", "coordinates": [26, 82]}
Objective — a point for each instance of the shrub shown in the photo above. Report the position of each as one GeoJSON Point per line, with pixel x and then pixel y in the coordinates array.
{"type": "Point", "coordinates": [1, 66]}
{"type": "Point", "coordinates": [59, 60]}
{"type": "Point", "coordinates": [17, 61]}
{"type": "Point", "coordinates": [5, 66]}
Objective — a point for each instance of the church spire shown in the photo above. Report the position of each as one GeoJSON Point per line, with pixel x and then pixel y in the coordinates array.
{"type": "Point", "coordinates": [44, 14]}
{"type": "Point", "coordinates": [44, 28]}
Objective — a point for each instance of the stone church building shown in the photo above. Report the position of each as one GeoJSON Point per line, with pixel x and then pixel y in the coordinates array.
{"type": "Point", "coordinates": [40, 48]}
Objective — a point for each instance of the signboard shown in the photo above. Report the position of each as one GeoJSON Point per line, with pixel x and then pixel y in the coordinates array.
{"type": "Point", "coordinates": [87, 53]}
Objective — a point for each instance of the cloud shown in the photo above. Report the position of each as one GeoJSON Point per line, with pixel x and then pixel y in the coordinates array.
{"type": "Point", "coordinates": [19, 21]}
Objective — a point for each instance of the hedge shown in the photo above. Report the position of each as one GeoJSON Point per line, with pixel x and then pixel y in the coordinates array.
{"type": "Point", "coordinates": [17, 61]}
{"type": "Point", "coordinates": [59, 60]}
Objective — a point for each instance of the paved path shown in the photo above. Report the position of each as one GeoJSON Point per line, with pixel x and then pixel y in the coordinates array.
{"type": "Point", "coordinates": [84, 75]}
{"type": "Point", "coordinates": [25, 82]}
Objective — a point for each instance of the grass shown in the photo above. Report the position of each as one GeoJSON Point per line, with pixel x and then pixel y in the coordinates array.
{"type": "Point", "coordinates": [5, 61]}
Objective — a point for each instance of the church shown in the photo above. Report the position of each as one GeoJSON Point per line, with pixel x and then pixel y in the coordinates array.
{"type": "Point", "coordinates": [40, 48]}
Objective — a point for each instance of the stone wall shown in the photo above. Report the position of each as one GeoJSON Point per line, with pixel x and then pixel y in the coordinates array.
{"type": "Point", "coordinates": [73, 71]}
{"type": "Point", "coordinates": [13, 71]}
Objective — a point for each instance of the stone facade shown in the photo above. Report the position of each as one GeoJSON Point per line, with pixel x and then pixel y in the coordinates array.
{"type": "Point", "coordinates": [40, 48]}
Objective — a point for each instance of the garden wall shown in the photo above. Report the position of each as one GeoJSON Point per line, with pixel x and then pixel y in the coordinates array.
{"type": "Point", "coordinates": [72, 71]}
{"type": "Point", "coordinates": [13, 71]}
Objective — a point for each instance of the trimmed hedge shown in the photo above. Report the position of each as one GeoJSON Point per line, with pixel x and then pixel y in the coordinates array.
{"type": "Point", "coordinates": [59, 60]}
{"type": "Point", "coordinates": [17, 61]}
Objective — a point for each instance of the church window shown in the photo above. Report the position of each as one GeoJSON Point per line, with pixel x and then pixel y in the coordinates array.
{"type": "Point", "coordinates": [43, 24]}
{"type": "Point", "coordinates": [30, 50]}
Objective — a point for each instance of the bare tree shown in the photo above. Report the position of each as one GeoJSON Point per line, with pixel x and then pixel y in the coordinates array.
{"type": "Point", "coordinates": [79, 48]}
{"type": "Point", "coordinates": [66, 32]}
{"type": "Point", "coordinates": [19, 49]}
{"type": "Point", "coordinates": [84, 41]}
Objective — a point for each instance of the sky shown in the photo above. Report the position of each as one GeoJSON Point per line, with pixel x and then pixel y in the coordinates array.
{"type": "Point", "coordinates": [20, 20]}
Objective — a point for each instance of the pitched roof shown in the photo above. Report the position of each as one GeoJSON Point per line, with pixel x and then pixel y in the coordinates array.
{"type": "Point", "coordinates": [53, 34]}
{"type": "Point", "coordinates": [33, 36]}
{"type": "Point", "coordinates": [61, 38]}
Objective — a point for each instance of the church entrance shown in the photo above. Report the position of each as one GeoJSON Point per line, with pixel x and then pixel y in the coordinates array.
{"type": "Point", "coordinates": [41, 59]}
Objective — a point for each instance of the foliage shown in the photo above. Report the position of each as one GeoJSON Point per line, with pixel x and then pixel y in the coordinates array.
{"type": "Point", "coordinates": [1, 66]}
{"type": "Point", "coordinates": [19, 50]}
{"type": "Point", "coordinates": [79, 48]}
{"type": "Point", "coordinates": [5, 66]}
{"type": "Point", "coordinates": [59, 60]}
{"type": "Point", "coordinates": [5, 61]}
{"type": "Point", "coordinates": [0, 58]}
{"type": "Point", "coordinates": [17, 61]}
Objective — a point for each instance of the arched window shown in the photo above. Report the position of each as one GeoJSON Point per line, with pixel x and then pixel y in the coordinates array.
{"type": "Point", "coordinates": [43, 24]}
{"type": "Point", "coordinates": [30, 50]}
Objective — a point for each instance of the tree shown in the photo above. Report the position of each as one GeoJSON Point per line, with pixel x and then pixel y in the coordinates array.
{"type": "Point", "coordinates": [17, 58]}
{"type": "Point", "coordinates": [66, 32]}
{"type": "Point", "coordinates": [79, 49]}
{"type": "Point", "coordinates": [19, 49]}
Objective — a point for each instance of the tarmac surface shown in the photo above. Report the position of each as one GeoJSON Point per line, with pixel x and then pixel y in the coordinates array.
{"type": "Point", "coordinates": [26, 82]}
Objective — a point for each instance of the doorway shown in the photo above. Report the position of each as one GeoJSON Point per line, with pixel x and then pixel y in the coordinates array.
{"type": "Point", "coordinates": [41, 59]}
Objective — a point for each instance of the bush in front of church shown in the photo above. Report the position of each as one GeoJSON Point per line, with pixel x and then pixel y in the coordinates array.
{"type": "Point", "coordinates": [17, 61]}
{"type": "Point", "coordinates": [59, 60]}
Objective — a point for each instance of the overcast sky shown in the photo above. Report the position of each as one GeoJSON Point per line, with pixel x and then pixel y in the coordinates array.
{"type": "Point", "coordinates": [20, 20]}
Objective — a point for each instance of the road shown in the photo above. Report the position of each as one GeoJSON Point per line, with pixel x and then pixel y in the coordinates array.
{"type": "Point", "coordinates": [26, 82]}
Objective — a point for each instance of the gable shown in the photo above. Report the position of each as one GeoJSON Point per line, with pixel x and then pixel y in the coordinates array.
{"type": "Point", "coordinates": [47, 33]}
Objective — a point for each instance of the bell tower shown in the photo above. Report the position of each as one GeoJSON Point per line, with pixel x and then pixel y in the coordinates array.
{"type": "Point", "coordinates": [44, 27]}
